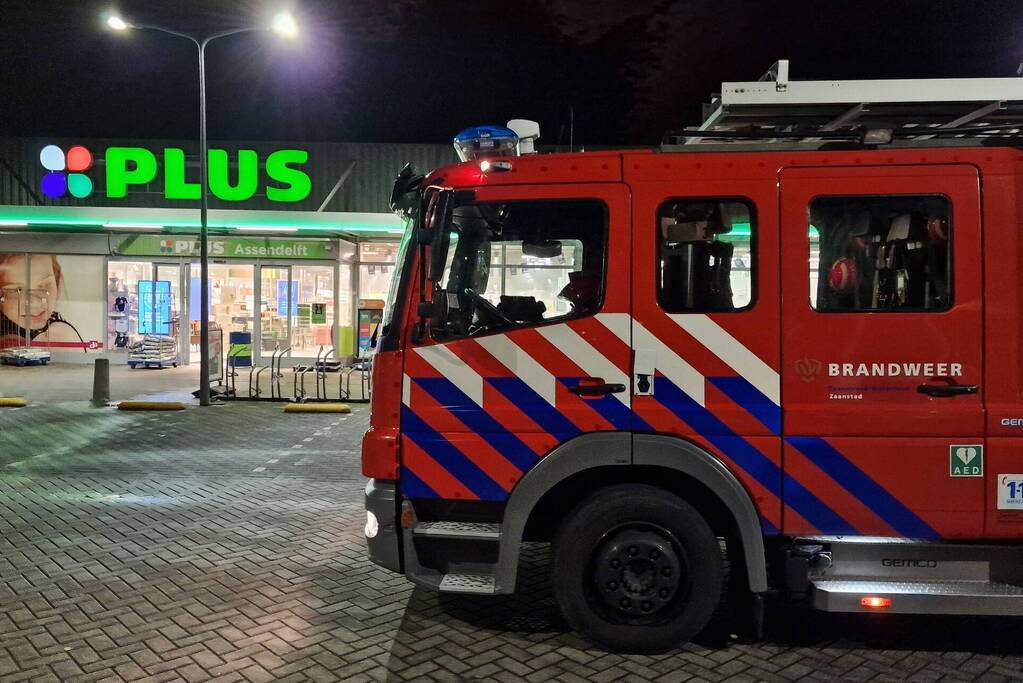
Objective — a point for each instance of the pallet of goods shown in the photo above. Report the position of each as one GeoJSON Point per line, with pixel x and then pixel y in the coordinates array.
{"type": "Point", "coordinates": [153, 352]}
{"type": "Point", "coordinates": [24, 355]}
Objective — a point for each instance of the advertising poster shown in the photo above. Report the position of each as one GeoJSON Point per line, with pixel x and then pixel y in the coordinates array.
{"type": "Point", "coordinates": [369, 319]}
{"type": "Point", "coordinates": [216, 354]}
{"type": "Point", "coordinates": [154, 307]}
{"type": "Point", "coordinates": [55, 302]}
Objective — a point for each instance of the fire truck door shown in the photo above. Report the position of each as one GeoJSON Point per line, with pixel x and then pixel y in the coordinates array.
{"type": "Point", "coordinates": [705, 319]}
{"type": "Point", "coordinates": [528, 343]}
{"type": "Point", "coordinates": [883, 411]}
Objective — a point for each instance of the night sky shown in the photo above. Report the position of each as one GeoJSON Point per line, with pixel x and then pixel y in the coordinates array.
{"type": "Point", "coordinates": [418, 71]}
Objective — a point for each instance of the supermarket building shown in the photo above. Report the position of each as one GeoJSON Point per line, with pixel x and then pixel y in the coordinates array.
{"type": "Point", "coordinates": [99, 243]}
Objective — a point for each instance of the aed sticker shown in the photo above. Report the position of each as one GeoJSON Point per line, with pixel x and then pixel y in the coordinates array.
{"type": "Point", "coordinates": [1010, 491]}
{"type": "Point", "coordinates": [966, 460]}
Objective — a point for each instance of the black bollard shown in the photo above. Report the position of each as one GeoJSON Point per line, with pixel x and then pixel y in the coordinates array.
{"type": "Point", "coordinates": [101, 383]}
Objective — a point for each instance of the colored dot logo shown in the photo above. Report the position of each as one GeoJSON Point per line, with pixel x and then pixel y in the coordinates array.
{"type": "Point", "coordinates": [66, 171]}
{"type": "Point", "coordinates": [166, 247]}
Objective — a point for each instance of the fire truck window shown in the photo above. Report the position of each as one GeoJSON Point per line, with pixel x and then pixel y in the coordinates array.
{"type": "Point", "coordinates": [705, 255]}
{"type": "Point", "coordinates": [880, 253]}
{"type": "Point", "coordinates": [516, 264]}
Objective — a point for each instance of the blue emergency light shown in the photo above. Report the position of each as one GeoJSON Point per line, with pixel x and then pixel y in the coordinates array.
{"type": "Point", "coordinates": [481, 142]}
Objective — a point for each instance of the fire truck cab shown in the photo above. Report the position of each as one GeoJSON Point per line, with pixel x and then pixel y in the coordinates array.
{"type": "Point", "coordinates": [779, 355]}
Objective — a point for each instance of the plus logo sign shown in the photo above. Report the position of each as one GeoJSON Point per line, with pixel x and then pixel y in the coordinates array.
{"type": "Point", "coordinates": [66, 171]}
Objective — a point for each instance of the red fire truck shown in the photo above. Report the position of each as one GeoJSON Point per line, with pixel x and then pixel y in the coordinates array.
{"type": "Point", "coordinates": [780, 355]}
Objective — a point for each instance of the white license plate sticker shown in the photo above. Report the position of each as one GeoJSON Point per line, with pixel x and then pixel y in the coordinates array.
{"type": "Point", "coordinates": [1010, 492]}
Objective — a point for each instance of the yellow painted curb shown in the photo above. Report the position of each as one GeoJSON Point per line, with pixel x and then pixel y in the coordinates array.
{"type": "Point", "coordinates": [13, 402]}
{"type": "Point", "coordinates": [317, 408]}
{"type": "Point", "coordinates": [150, 405]}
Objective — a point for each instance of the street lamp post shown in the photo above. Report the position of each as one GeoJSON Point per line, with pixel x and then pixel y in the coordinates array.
{"type": "Point", "coordinates": [283, 24]}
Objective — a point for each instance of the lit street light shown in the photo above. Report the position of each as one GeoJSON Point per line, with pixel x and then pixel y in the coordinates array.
{"type": "Point", "coordinates": [284, 25]}
{"type": "Point", "coordinates": [116, 23]}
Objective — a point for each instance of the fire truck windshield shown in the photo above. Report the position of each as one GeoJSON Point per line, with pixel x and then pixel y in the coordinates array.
{"type": "Point", "coordinates": [499, 265]}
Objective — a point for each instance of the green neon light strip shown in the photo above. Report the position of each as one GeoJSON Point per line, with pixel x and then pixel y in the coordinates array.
{"type": "Point", "coordinates": [744, 230]}
{"type": "Point", "coordinates": [36, 222]}
{"type": "Point", "coordinates": [738, 229]}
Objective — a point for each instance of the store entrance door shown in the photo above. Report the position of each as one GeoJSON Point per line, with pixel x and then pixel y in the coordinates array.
{"type": "Point", "coordinates": [232, 303]}
{"type": "Point", "coordinates": [278, 306]}
{"type": "Point", "coordinates": [297, 311]}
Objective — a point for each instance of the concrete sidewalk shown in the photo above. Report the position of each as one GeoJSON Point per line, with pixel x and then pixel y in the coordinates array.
{"type": "Point", "coordinates": [58, 382]}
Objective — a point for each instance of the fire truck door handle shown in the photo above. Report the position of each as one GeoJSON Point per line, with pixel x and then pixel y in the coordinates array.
{"type": "Point", "coordinates": [596, 389]}
{"type": "Point", "coordinates": [946, 390]}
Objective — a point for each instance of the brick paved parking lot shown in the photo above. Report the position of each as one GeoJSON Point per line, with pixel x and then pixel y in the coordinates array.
{"type": "Point", "coordinates": [226, 543]}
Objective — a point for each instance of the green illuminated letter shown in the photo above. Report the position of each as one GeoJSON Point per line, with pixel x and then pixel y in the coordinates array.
{"type": "Point", "coordinates": [119, 176]}
{"type": "Point", "coordinates": [248, 175]}
{"type": "Point", "coordinates": [174, 185]}
{"type": "Point", "coordinates": [297, 182]}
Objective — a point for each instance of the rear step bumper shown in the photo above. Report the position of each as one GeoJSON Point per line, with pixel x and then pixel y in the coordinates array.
{"type": "Point", "coordinates": [919, 597]}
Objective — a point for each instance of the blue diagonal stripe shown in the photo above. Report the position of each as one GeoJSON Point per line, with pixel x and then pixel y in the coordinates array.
{"type": "Point", "coordinates": [752, 461]}
{"type": "Point", "coordinates": [861, 485]}
{"type": "Point", "coordinates": [414, 487]}
{"type": "Point", "coordinates": [755, 463]}
{"type": "Point", "coordinates": [449, 457]}
{"type": "Point", "coordinates": [611, 409]}
{"type": "Point", "coordinates": [813, 510]}
{"type": "Point", "coordinates": [752, 399]}
{"type": "Point", "coordinates": [535, 406]}
{"type": "Point", "coordinates": [476, 419]}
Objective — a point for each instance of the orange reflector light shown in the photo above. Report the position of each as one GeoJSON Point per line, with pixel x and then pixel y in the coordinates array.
{"type": "Point", "coordinates": [875, 602]}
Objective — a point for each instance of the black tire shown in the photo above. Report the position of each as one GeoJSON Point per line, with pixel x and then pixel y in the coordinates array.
{"type": "Point", "coordinates": [636, 569]}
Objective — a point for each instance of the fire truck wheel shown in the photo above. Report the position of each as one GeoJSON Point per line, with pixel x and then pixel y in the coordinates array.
{"type": "Point", "coordinates": [636, 569]}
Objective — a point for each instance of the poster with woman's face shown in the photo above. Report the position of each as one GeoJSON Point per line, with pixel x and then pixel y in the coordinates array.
{"type": "Point", "coordinates": [56, 302]}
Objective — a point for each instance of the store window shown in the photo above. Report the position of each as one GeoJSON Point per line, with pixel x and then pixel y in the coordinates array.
{"type": "Point", "coordinates": [376, 263]}
{"type": "Point", "coordinates": [880, 253]}
{"type": "Point", "coordinates": [517, 264]}
{"type": "Point", "coordinates": [123, 303]}
{"type": "Point", "coordinates": [378, 252]}
{"type": "Point", "coordinates": [232, 307]}
{"type": "Point", "coordinates": [279, 296]}
{"type": "Point", "coordinates": [143, 298]}
{"type": "Point", "coordinates": [314, 311]}
{"type": "Point", "coordinates": [705, 256]}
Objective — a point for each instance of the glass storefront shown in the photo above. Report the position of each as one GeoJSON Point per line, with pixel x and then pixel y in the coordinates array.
{"type": "Point", "coordinates": [144, 298]}
{"type": "Point", "coordinates": [297, 310]}
{"type": "Point", "coordinates": [311, 327]}
{"type": "Point", "coordinates": [277, 296]}
{"type": "Point", "coordinates": [123, 278]}
{"type": "Point", "coordinates": [105, 303]}
{"type": "Point", "coordinates": [376, 262]}
{"type": "Point", "coordinates": [232, 301]}
{"type": "Point", "coordinates": [282, 306]}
